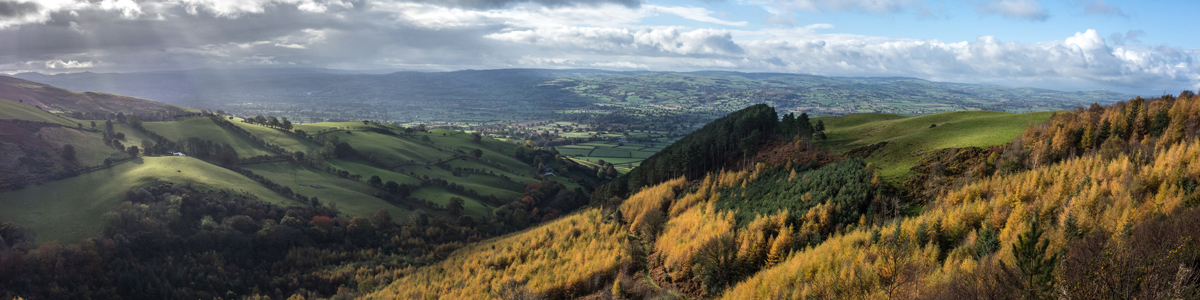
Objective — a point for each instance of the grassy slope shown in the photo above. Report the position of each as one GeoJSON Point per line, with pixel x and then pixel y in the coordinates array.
{"type": "Point", "coordinates": [20, 111]}
{"type": "Point", "coordinates": [132, 137]}
{"type": "Point", "coordinates": [89, 146]}
{"type": "Point", "coordinates": [353, 198]}
{"type": "Point", "coordinates": [204, 128]}
{"type": "Point", "coordinates": [71, 209]}
{"type": "Point", "coordinates": [291, 142]}
{"type": "Point", "coordinates": [910, 137]}
{"type": "Point", "coordinates": [441, 196]}
{"type": "Point", "coordinates": [90, 149]}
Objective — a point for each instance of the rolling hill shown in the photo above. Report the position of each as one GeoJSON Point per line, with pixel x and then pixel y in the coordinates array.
{"type": "Point", "coordinates": [894, 143]}
{"type": "Point", "coordinates": [54, 99]}
{"type": "Point", "coordinates": [434, 166]}
{"type": "Point", "coordinates": [68, 209]}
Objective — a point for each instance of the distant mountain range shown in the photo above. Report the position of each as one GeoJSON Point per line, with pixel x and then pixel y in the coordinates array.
{"type": "Point", "coordinates": [523, 94]}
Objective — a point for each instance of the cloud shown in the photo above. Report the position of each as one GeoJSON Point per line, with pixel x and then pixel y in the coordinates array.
{"type": "Point", "coordinates": [1131, 36]}
{"type": "Point", "coordinates": [870, 6]}
{"type": "Point", "coordinates": [237, 8]}
{"type": "Point", "coordinates": [70, 64]}
{"type": "Point", "coordinates": [490, 4]}
{"type": "Point", "coordinates": [695, 14]}
{"type": "Point", "coordinates": [77, 36]}
{"type": "Point", "coordinates": [11, 9]}
{"type": "Point", "coordinates": [1016, 9]}
{"type": "Point", "coordinates": [651, 42]}
{"type": "Point", "coordinates": [19, 12]}
{"type": "Point", "coordinates": [1099, 7]}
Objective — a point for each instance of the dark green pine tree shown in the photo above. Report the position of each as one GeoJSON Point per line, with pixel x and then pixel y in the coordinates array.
{"type": "Point", "coordinates": [1037, 270]}
{"type": "Point", "coordinates": [803, 127]}
{"type": "Point", "coordinates": [787, 126]}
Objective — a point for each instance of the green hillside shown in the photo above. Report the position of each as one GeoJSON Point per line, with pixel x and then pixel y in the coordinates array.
{"type": "Point", "coordinates": [21, 111]}
{"type": "Point", "coordinates": [910, 137]}
{"type": "Point", "coordinates": [353, 198]}
{"type": "Point", "coordinates": [206, 129]}
{"type": "Point", "coordinates": [90, 149]}
{"type": "Point", "coordinates": [291, 142]}
{"type": "Point", "coordinates": [70, 209]}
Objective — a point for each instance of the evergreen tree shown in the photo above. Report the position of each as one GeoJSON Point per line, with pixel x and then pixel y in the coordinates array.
{"type": "Point", "coordinates": [803, 127]}
{"type": "Point", "coordinates": [1036, 270]}
{"type": "Point", "coordinates": [787, 126]}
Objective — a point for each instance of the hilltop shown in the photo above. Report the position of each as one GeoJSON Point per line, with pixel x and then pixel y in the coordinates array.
{"type": "Point", "coordinates": [58, 100]}
{"type": "Point", "coordinates": [894, 143]}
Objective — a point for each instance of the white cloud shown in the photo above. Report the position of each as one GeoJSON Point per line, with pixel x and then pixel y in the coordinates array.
{"type": "Point", "coordinates": [694, 13]}
{"type": "Point", "coordinates": [128, 8]}
{"type": "Point", "coordinates": [409, 34]}
{"type": "Point", "coordinates": [70, 64]}
{"type": "Point", "coordinates": [1081, 61]}
{"type": "Point", "coordinates": [871, 6]}
{"type": "Point", "coordinates": [654, 41]}
{"type": "Point", "coordinates": [1017, 9]}
{"type": "Point", "coordinates": [237, 8]}
{"type": "Point", "coordinates": [620, 65]}
{"type": "Point", "coordinates": [20, 12]}
{"type": "Point", "coordinates": [290, 46]}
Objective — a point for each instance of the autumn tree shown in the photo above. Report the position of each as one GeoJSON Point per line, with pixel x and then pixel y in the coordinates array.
{"type": "Point", "coordinates": [382, 218]}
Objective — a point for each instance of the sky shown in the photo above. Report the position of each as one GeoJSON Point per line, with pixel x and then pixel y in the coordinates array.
{"type": "Point", "coordinates": [1145, 47]}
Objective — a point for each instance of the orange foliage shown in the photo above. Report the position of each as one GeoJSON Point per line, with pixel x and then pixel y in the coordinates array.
{"type": "Point", "coordinates": [556, 259]}
{"type": "Point", "coordinates": [656, 197]}
{"type": "Point", "coordinates": [685, 234]}
{"type": "Point", "coordinates": [1096, 192]}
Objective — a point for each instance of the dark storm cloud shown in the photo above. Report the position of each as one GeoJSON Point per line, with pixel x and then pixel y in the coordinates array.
{"type": "Point", "coordinates": [353, 37]}
{"type": "Point", "coordinates": [10, 9]}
